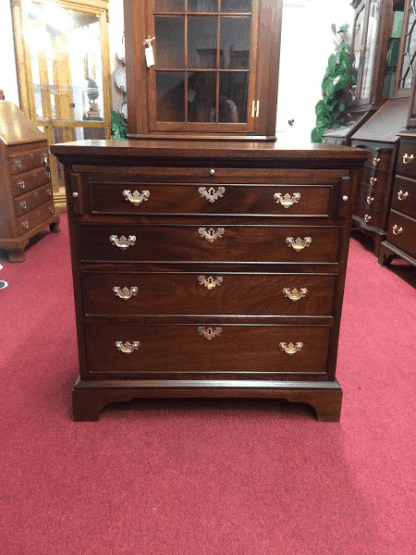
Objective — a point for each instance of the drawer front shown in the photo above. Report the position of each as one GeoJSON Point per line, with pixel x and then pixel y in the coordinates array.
{"type": "Point", "coordinates": [31, 200]}
{"type": "Point", "coordinates": [28, 181]}
{"type": "Point", "coordinates": [231, 349]}
{"type": "Point", "coordinates": [173, 293]}
{"type": "Point", "coordinates": [404, 196]}
{"type": "Point", "coordinates": [206, 198]}
{"type": "Point", "coordinates": [406, 161]}
{"type": "Point", "coordinates": [402, 233]}
{"type": "Point", "coordinates": [381, 158]}
{"type": "Point", "coordinates": [228, 243]}
{"type": "Point", "coordinates": [35, 217]}
{"type": "Point", "coordinates": [24, 161]}
{"type": "Point", "coordinates": [372, 196]}
{"type": "Point", "coordinates": [379, 179]}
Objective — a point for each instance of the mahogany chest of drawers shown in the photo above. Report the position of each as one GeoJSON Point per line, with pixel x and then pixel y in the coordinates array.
{"type": "Point", "coordinates": [204, 269]}
{"type": "Point", "coordinates": [25, 187]}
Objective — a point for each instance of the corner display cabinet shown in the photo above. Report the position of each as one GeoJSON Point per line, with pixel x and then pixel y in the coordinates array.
{"type": "Point", "coordinates": [208, 260]}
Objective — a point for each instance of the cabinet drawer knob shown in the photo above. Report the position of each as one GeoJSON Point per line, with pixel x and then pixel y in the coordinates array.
{"type": "Point", "coordinates": [18, 163]}
{"type": "Point", "coordinates": [211, 195]}
{"type": "Point", "coordinates": [294, 294]}
{"type": "Point", "coordinates": [125, 293]}
{"type": "Point", "coordinates": [25, 224]}
{"type": "Point", "coordinates": [367, 217]}
{"type": "Point", "coordinates": [370, 200]}
{"type": "Point", "coordinates": [21, 184]}
{"type": "Point", "coordinates": [127, 347]}
{"type": "Point", "coordinates": [212, 172]}
{"type": "Point", "coordinates": [397, 230]}
{"type": "Point", "coordinates": [402, 196]}
{"type": "Point", "coordinates": [299, 244]}
{"type": "Point", "coordinates": [209, 333]}
{"type": "Point", "coordinates": [211, 235]}
{"type": "Point", "coordinates": [373, 180]}
{"type": "Point", "coordinates": [51, 209]}
{"type": "Point", "coordinates": [286, 201]}
{"type": "Point", "coordinates": [291, 349]}
{"type": "Point", "coordinates": [48, 192]}
{"type": "Point", "coordinates": [210, 283]}
{"type": "Point", "coordinates": [136, 198]}
{"type": "Point", "coordinates": [408, 159]}
{"type": "Point", "coordinates": [376, 161]}
{"type": "Point", "coordinates": [122, 242]}
{"type": "Point", "coordinates": [22, 204]}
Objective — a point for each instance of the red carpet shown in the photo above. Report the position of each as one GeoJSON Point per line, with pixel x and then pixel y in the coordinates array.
{"type": "Point", "coordinates": [216, 477]}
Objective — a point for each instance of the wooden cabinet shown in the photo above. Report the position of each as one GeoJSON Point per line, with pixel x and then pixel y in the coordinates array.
{"type": "Point", "coordinates": [205, 269]}
{"type": "Point", "coordinates": [25, 187]}
{"type": "Point", "coordinates": [202, 67]}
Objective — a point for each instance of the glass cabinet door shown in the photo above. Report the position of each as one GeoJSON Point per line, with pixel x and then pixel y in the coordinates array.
{"type": "Point", "coordinates": [407, 67]}
{"type": "Point", "coordinates": [373, 26]}
{"type": "Point", "coordinates": [204, 58]}
{"type": "Point", "coordinates": [358, 54]}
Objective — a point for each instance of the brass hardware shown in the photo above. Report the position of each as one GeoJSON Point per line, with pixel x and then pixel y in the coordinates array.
{"type": "Point", "coordinates": [370, 200]}
{"type": "Point", "coordinates": [22, 204]}
{"type": "Point", "coordinates": [286, 201]}
{"type": "Point", "coordinates": [21, 184]}
{"type": "Point", "coordinates": [17, 163]}
{"type": "Point", "coordinates": [51, 209]}
{"type": "Point", "coordinates": [211, 235]}
{"type": "Point", "coordinates": [402, 196]}
{"type": "Point", "coordinates": [25, 224]}
{"type": "Point", "coordinates": [123, 243]}
{"type": "Point", "coordinates": [125, 293]}
{"type": "Point", "coordinates": [376, 161]}
{"type": "Point", "coordinates": [209, 333]}
{"type": "Point", "coordinates": [373, 180]}
{"type": "Point", "coordinates": [397, 230]}
{"type": "Point", "coordinates": [49, 192]}
{"type": "Point", "coordinates": [294, 295]}
{"type": "Point", "coordinates": [127, 347]}
{"type": "Point", "coordinates": [299, 244]}
{"type": "Point", "coordinates": [367, 217]}
{"type": "Point", "coordinates": [408, 159]}
{"type": "Point", "coordinates": [212, 172]}
{"type": "Point", "coordinates": [291, 349]}
{"type": "Point", "coordinates": [136, 198]}
{"type": "Point", "coordinates": [211, 195]}
{"type": "Point", "coordinates": [345, 198]}
{"type": "Point", "coordinates": [361, 50]}
{"type": "Point", "coordinates": [255, 108]}
{"type": "Point", "coordinates": [210, 283]}
{"type": "Point", "coordinates": [75, 194]}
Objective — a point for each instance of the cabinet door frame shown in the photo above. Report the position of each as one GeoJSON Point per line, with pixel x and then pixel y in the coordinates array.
{"type": "Point", "coordinates": [405, 92]}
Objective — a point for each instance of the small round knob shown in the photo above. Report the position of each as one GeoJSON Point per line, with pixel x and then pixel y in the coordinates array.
{"type": "Point", "coordinates": [212, 172]}
{"type": "Point", "coordinates": [345, 198]}
{"type": "Point", "coordinates": [75, 194]}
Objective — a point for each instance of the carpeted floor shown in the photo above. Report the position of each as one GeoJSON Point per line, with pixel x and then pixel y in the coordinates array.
{"type": "Point", "coordinates": [214, 477]}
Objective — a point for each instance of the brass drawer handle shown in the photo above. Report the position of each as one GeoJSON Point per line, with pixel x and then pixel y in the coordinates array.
{"type": "Point", "coordinates": [125, 293]}
{"type": "Point", "coordinates": [397, 230]}
{"type": "Point", "coordinates": [18, 163]}
{"type": "Point", "coordinates": [211, 195]}
{"type": "Point", "coordinates": [402, 196]}
{"type": "Point", "coordinates": [127, 347]}
{"type": "Point", "coordinates": [294, 295]}
{"type": "Point", "coordinates": [209, 333]}
{"type": "Point", "coordinates": [25, 224]}
{"type": "Point", "coordinates": [286, 201]}
{"type": "Point", "coordinates": [408, 159]}
{"type": "Point", "coordinates": [21, 184]}
{"type": "Point", "coordinates": [211, 235]}
{"type": "Point", "coordinates": [291, 349]}
{"type": "Point", "coordinates": [376, 161]}
{"type": "Point", "coordinates": [48, 192]}
{"type": "Point", "coordinates": [373, 180]}
{"type": "Point", "coordinates": [136, 198]}
{"type": "Point", "coordinates": [22, 204]}
{"type": "Point", "coordinates": [367, 217]}
{"type": "Point", "coordinates": [210, 283]}
{"type": "Point", "coordinates": [370, 200]}
{"type": "Point", "coordinates": [299, 244]}
{"type": "Point", "coordinates": [51, 209]}
{"type": "Point", "coordinates": [123, 243]}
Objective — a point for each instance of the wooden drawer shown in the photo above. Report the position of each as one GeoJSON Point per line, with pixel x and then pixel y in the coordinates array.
{"type": "Point", "coordinates": [406, 165]}
{"type": "Point", "coordinates": [205, 243]}
{"type": "Point", "coordinates": [31, 200]}
{"type": "Point", "coordinates": [195, 350]}
{"type": "Point", "coordinates": [371, 215]}
{"type": "Point", "coordinates": [23, 161]}
{"type": "Point", "coordinates": [28, 181]}
{"type": "Point", "coordinates": [372, 196]}
{"type": "Point", "coordinates": [206, 198]}
{"type": "Point", "coordinates": [173, 293]}
{"type": "Point", "coordinates": [402, 233]}
{"type": "Point", "coordinates": [381, 158]}
{"type": "Point", "coordinates": [404, 196]}
{"type": "Point", "coordinates": [378, 179]}
{"type": "Point", "coordinates": [34, 218]}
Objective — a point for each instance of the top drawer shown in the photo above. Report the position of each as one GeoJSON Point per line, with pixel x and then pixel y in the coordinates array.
{"type": "Point", "coordinates": [24, 161]}
{"type": "Point", "coordinates": [406, 161]}
{"type": "Point", "coordinates": [381, 158]}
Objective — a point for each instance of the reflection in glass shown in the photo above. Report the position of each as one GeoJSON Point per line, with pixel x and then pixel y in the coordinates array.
{"type": "Point", "coordinates": [161, 6]}
{"type": "Point", "coordinates": [409, 50]}
{"type": "Point", "coordinates": [170, 96]}
{"type": "Point", "coordinates": [370, 50]}
{"type": "Point", "coordinates": [201, 6]}
{"type": "Point", "coordinates": [358, 51]}
{"type": "Point", "coordinates": [234, 88]}
{"type": "Point", "coordinates": [392, 57]}
{"type": "Point", "coordinates": [235, 42]}
{"type": "Point", "coordinates": [236, 6]}
{"type": "Point", "coordinates": [202, 42]}
{"type": "Point", "coordinates": [201, 96]}
{"type": "Point", "coordinates": [170, 42]}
